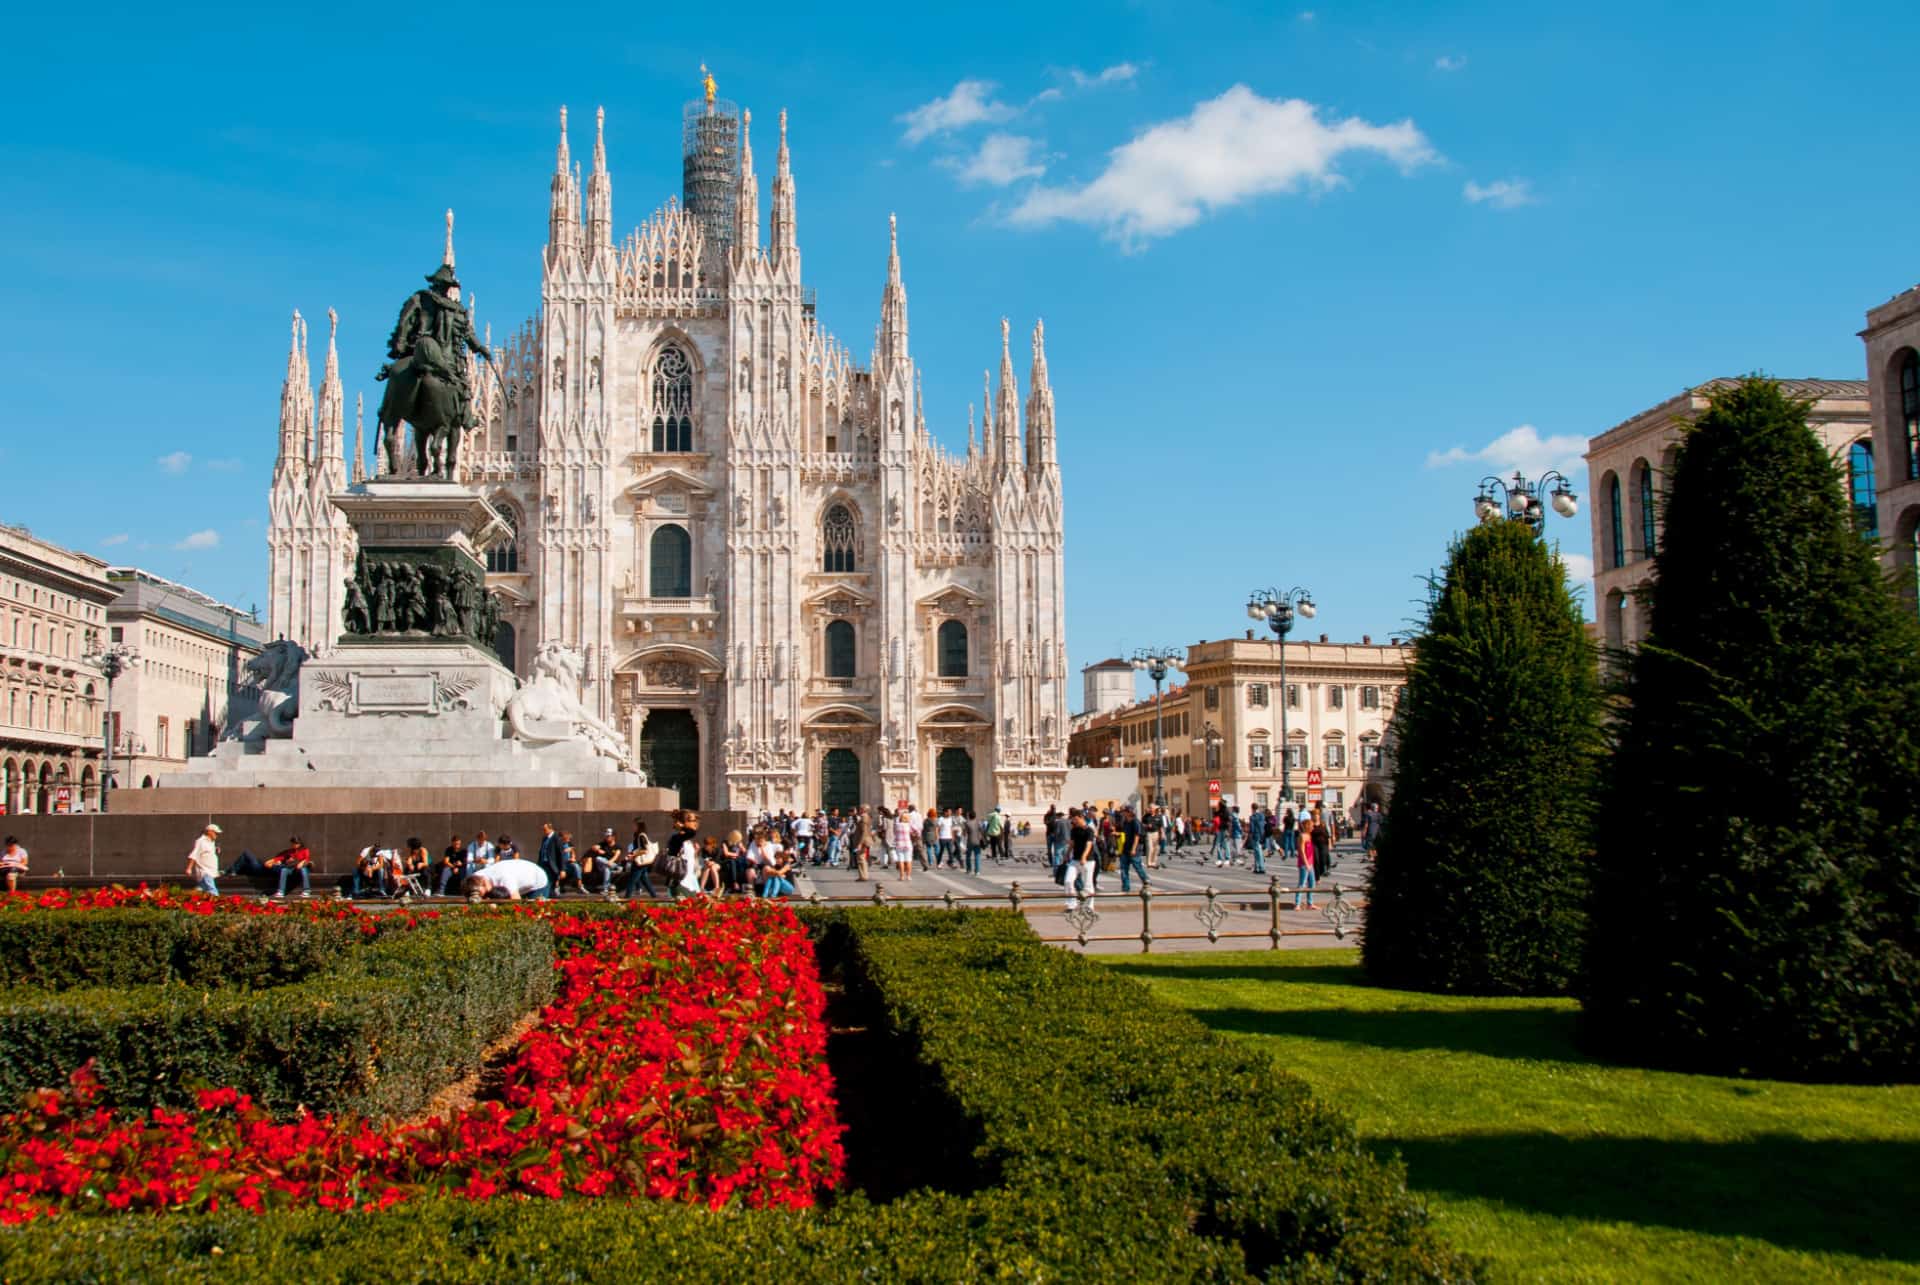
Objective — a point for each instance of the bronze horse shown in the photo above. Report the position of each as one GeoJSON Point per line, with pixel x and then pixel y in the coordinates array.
{"type": "Point", "coordinates": [427, 378]}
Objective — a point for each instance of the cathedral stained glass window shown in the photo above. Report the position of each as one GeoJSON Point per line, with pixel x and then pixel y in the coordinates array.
{"type": "Point", "coordinates": [672, 401]}
{"type": "Point", "coordinates": [838, 537]}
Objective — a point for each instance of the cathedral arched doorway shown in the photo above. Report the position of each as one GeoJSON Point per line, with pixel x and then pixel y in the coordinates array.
{"type": "Point", "coordinates": [840, 780]}
{"type": "Point", "coordinates": [953, 779]}
{"type": "Point", "coordinates": [672, 741]}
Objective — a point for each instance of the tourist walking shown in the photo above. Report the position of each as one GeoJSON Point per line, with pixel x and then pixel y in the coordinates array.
{"type": "Point", "coordinates": [1304, 863]}
{"type": "Point", "coordinates": [1082, 862]}
{"type": "Point", "coordinates": [203, 862]}
{"type": "Point", "coordinates": [902, 842]}
{"type": "Point", "coordinates": [860, 842]}
{"type": "Point", "coordinates": [1131, 838]}
{"type": "Point", "coordinates": [642, 852]}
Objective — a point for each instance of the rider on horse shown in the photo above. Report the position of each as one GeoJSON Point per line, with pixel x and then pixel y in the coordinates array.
{"type": "Point", "coordinates": [430, 342]}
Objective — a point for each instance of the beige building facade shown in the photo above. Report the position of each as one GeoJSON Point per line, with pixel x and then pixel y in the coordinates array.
{"type": "Point", "coordinates": [193, 652]}
{"type": "Point", "coordinates": [1339, 703]}
{"type": "Point", "coordinates": [1892, 338]}
{"type": "Point", "coordinates": [1627, 467]}
{"type": "Point", "coordinates": [53, 612]}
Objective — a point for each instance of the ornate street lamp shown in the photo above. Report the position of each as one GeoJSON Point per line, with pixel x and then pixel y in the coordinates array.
{"type": "Point", "coordinates": [112, 662]}
{"type": "Point", "coordinates": [1157, 662]}
{"type": "Point", "coordinates": [1278, 607]}
{"type": "Point", "coordinates": [1522, 499]}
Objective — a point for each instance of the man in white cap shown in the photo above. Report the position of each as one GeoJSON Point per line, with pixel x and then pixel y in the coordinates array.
{"type": "Point", "coordinates": [203, 863]}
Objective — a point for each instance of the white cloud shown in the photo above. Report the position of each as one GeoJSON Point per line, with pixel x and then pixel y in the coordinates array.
{"type": "Point", "coordinates": [208, 539]}
{"type": "Point", "coordinates": [174, 462]}
{"type": "Point", "coordinates": [1579, 566]}
{"type": "Point", "coordinates": [1519, 448]}
{"type": "Point", "coordinates": [1306, 15]}
{"type": "Point", "coordinates": [1000, 160]}
{"type": "Point", "coordinates": [1450, 62]}
{"type": "Point", "coordinates": [1228, 150]}
{"type": "Point", "coordinates": [108, 541]}
{"type": "Point", "coordinates": [970, 103]}
{"type": "Point", "coordinates": [1501, 194]}
{"type": "Point", "coordinates": [1119, 73]}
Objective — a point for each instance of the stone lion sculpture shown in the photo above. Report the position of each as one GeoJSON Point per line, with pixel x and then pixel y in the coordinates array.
{"type": "Point", "coordinates": [548, 710]}
{"type": "Point", "coordinates": [268, 699]}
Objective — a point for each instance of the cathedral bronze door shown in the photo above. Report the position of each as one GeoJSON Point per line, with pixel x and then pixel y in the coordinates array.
{"type": "Point", "coordinates": [672, 741]}
{"type": "Point", "coordinates": [953, 779]}
{"type": "Point", "coordinates": [840, 780]}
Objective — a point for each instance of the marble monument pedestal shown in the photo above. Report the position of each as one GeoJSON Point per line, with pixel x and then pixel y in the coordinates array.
{"type": "Point", "coordinates": [398, 714]}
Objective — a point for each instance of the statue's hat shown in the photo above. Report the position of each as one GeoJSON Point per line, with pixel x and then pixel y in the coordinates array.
{"type": "Point", "coordinates": [443, 276]}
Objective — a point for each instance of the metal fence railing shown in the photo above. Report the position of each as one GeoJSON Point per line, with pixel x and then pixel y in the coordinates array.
{"type": "Point", "coordinates": [1335, 906]}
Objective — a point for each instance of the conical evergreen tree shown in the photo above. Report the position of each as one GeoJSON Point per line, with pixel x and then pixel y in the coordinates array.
{"type": "Point", "coordinates": [1756, 902]}
{"type": "Point", "coordinates": [1480, 882]}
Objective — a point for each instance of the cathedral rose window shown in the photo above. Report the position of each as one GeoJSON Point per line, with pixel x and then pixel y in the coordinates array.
{"type": "Point", "coordinates": [672, 401]}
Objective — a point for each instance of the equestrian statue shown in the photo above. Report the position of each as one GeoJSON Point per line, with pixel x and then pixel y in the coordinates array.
{"type": "Point", "coordinates": [426, 377]}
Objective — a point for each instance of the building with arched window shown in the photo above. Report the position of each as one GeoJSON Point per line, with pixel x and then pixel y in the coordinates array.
{"type": "Point", "coordinates": [1626, 468]}
{"type": "Point", "coordinates": [1893, 384]}
{"type": "Point", "coordinates": [786, 576]}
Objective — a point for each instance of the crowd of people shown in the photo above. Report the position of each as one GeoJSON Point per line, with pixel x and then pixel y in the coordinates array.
{"type": "Point", "coordinates": [1081, 844]}
{"type": "Point", "coordinates": [1084, 842]}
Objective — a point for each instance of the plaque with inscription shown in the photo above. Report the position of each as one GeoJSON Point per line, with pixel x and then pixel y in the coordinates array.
{"type": "Point", "coordinates": [394, 693]}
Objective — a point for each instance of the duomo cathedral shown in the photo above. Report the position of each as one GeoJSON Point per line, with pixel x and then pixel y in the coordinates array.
{"type": "Point", "coordinates": [784, 590]}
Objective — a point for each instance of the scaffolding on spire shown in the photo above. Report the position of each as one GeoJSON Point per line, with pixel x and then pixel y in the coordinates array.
{"type": "Point", "coordinates": [710, 164]}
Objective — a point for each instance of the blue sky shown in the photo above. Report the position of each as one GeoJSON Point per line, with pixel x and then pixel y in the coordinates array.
{"type": "Point", "coordinates": [1289, 259]}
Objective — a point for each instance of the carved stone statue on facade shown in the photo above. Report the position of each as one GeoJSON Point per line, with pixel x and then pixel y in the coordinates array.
{"type": "Point", "coordinates": [548, 711]}
{"type": "Point", "coordinates": [426, 376]}
{"type": "Point", "coordinates": [268, 701]}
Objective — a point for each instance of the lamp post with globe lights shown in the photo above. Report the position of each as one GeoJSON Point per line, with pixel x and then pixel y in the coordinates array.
{"type": "Point", "coordinates": [112, 661]}
{"type": "Point", "coordinates": [1157, 663]}
{"type": "Point", "coordinates": [1523, 499]}
{"type": "Point", "coordinates": [1278, 607]}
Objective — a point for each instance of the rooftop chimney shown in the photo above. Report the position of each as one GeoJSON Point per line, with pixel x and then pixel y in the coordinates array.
{"type": "Point", "coordinates": [1249, 635]}
{"type": "Point", "coordinates": [1323, 637]}
{"type": "Point", "coordinates": [1366, 640]}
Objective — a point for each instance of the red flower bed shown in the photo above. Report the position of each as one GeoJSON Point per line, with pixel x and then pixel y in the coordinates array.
{"type": "Point", "coordinates": [683, 1059]}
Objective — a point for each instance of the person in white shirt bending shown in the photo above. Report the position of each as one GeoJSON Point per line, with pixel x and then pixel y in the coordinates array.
{"type": "Point", "coordinates": [515, 879]}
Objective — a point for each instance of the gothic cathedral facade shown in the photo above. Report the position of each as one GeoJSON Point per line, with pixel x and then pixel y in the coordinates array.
{"type": "Point", "coordinates": [785, 591]}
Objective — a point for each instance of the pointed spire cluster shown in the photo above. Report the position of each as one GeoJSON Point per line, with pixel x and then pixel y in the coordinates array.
{"type": "Point", "coordinates": [296, 410]}
{"type": "Point", "coordinates": [329, 461]}
{"type": "Point", "coordinates": [746, 209]}
{"type": "Point", "coordinates": [786, 247]}
{"type": "Point", "coordinates": [599, 190]}
{"type": "Point", "coordinates": [1040, 441]}
{"type": "Point", "coordinates": [359, 438]}
{"type": "Point", "coordinates": [892, 348]}
{"type": "Point", "coordinates": [563, 219]}
{"type": "Point", "coordinates": [1006, 411]}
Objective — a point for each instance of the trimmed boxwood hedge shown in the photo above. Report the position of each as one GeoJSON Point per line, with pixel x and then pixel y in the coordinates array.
{"type": "Point", "coordinates": [127, 946]}
{"type": "Point", "coordinates": [379, 1030]}
{"type": "Point", "coordinates": [1123, 1139]}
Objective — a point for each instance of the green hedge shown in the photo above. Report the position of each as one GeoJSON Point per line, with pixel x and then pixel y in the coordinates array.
{"type": "Point", "coordinates": [380, 1032]}
{"type": "Point", "coordinates": [58, 949]}
{"type": "Point", "coordinates": [1079, 1077]}
{"type": "Point", "coordinates": [1122, 1139]}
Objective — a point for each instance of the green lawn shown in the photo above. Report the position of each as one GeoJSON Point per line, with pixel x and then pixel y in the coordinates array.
{"type": "Point", "coordinates": [1552, 1165]}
